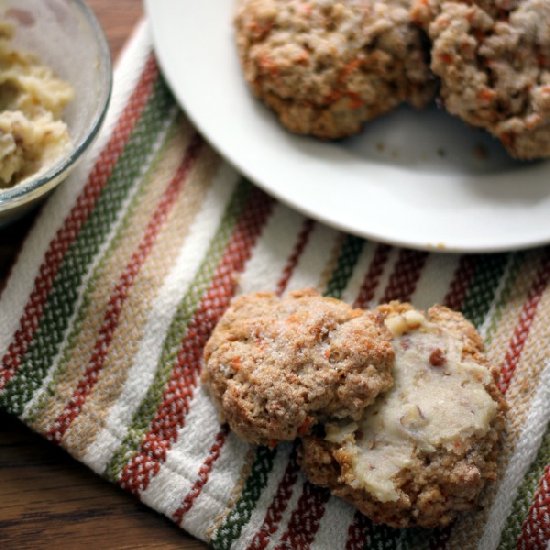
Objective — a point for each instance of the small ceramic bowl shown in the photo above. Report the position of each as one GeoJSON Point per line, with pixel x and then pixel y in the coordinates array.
{"type": "Point", "coordinates": [65, 35]}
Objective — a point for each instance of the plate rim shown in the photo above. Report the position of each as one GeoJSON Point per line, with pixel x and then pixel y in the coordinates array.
{"type": "Point", "coordinates": [152, 9]}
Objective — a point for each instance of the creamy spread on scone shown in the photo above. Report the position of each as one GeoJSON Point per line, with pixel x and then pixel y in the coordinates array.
{"type": "Point", "coordinates": [438, 401]}
{"type": "Point", "coordinates": [425, 449]}
{"type": "Point", "coordinates": [32, 100]}
{"type": "Point", "coordinates": [275, 367]}
{"type": "Point", "coordinates": [326, 67]}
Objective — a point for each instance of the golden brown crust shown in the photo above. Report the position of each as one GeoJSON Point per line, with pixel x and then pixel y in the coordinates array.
{"type": "Point", "coordinates": [277, 366]}
{"type": "Point", "coordinates": [493, 59]}
{"type": "Point", "coordinates": [441, 483]}
{"type": "Point", "coordinates": [326, 68]}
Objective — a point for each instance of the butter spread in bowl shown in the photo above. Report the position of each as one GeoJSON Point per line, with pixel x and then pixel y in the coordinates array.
{"type": "Point", "coordinates": [32, 100]}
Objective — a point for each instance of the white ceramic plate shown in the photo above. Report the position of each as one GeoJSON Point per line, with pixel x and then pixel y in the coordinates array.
{"type": "Point", "coordinates": [412, 178]}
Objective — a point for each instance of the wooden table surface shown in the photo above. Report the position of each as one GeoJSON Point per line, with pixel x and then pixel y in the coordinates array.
{"type": "Point", "coordinates": [47, 499]}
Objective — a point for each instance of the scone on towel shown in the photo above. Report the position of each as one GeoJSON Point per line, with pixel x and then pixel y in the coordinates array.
{"type": "Point", "coordinates": [398, 411]}
{"type": "Point", "coordinates": [275, 367]}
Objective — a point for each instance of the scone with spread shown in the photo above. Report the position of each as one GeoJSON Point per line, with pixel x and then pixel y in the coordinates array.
{"type": "Point", "coordinates": [32, 100]}
{"type": "Point", "coordinates": [493, 58]}
{"type": "Point", "coordinates": [275, 367]}
{"type": "Point", "coordinates": [425, 449]}
{"type": "Point", "coordinates": [327, 67]}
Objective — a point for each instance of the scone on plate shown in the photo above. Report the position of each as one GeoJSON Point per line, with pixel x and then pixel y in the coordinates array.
{"type": "Point", "coordinates": [327, 67]}
{"type": "Point", "coordinates": [424, 451]}
{"type": "Point", "coordinates": [493, 58]}
{"type": "Point", "coordinates": [275, 367]}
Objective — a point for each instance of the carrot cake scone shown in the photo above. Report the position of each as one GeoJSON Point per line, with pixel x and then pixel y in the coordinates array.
{"type": "Point", "coordinates": [327, 67]}
{"type": "Point", "coordinates": [32, 100]}
{"type": "Point", "coordinates": [275, 367]}
{"type": "Point", "coordinates": [424, 451]}
{"type": "Point", "coordinates": [493, 58]}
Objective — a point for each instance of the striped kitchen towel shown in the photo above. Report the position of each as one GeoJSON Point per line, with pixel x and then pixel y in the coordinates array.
{"type": "Point", "coordinates": [128, 269]}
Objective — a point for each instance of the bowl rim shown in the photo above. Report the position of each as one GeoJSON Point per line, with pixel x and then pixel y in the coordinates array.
{"type": "Point", "coordinates": [14, 196]}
